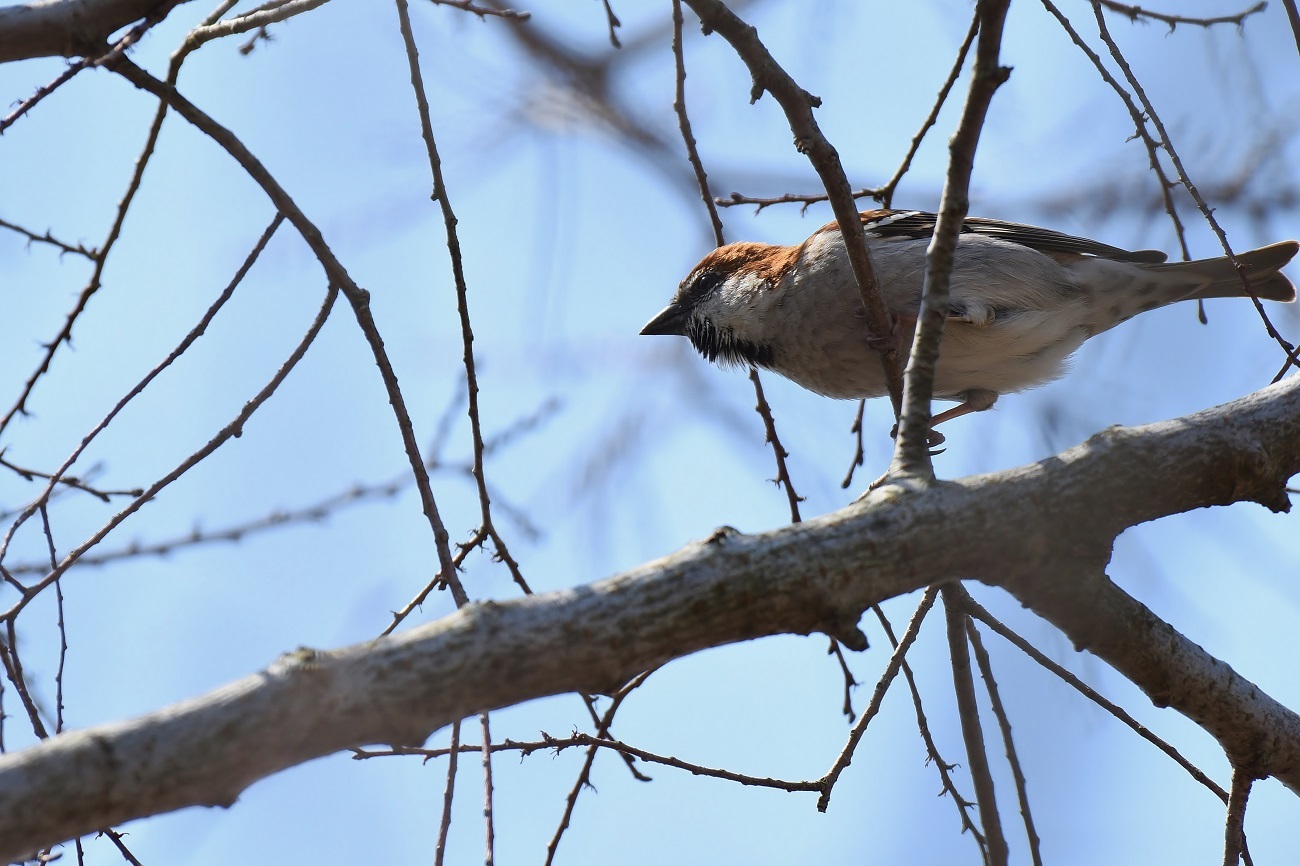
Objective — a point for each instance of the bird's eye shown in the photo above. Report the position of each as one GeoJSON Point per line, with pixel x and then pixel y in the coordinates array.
{"type": "Point", "coordinates": [705, 282]}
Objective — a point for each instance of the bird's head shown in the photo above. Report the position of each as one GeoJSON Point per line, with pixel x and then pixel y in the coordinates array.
{"type": "Point", "coordinates": [724, 306]}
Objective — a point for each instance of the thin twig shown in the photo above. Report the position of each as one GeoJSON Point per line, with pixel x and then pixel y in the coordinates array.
{"type": "Point", "coordinates": [883, 194]}
{"type": "Point", "coordinates": [93, 285]}
{"type": "Point", "coordinates": [584, 775]}
{"type": "Point", "coordinates": [1166, 142]}
{"type": "Point", "coordinates": [805, 200]}
{"type": "Point", "coordinates": [886, 194]}
{"type": "Point", "coordinates": [978, 612]}
{"type": "Point", "coordinates": [313, 513]}
{"type": "Point", "coordinates": [489, 831]}
{"type": "Point", "coordinates": [677, 763]}
{"type": "Point", "coordinates": [448, 796]}
{"type": "Point", "coordinates": [115, 230]}
{"type": "Point", "coordinates": [858, 454]}
{"type": "Point", "coordinates": [985, 665]}
{"type": "Point", "coordinates": [63, 629]}
{"type": "Point", "coordinates": [1234, 838]}
{"type": "Point", "coordinates": [484, 11]}
{"type": "Point", "coordinates": [502, 552]}
{"type": "Point", "coordinates": [66, 480]}
{"type": "Point", "coordinates": [142, 496]}
{"type": "Point", "coordinates": [684, 124]}
{"type": "Point", "coordinates": [977, 760]}
{"type": "Point", "coordinates": [798, 105]}
{"type": "Point", "coordinates": [47, 238]}
{"type": "Point", "coordinates": [1139, 126]}
{"type": "Point", "coordinates": [256, 19]}
{"type": "Point", "coordinates": [769, 426]}
{"type": "Point", "coordinates": [576, 740]}
{"type": "Point", "coordinates": [116, 838]}
{"type": "Point", "coordinates": [912, 452]}
{"type": "Point", "coordinates": [471, 382]}
{"type": "Point", "coordinates": [43, 91]}
{"type": "Point", "coordinates": [896, 662]}
{"type": "Point", "coordinates": [230, 431]}
{"type": "Point", "coordinates": [14, 671]}
{"type": "Point", "coordinates": [613, 23]}
{"type": "Point", "coordinates": [339, 280]}
{"type": "Point", "coordinates": [1293, 16]}
{"type": "Point", "coordinates": [850, 682]}
{"type": "Point", "coordinates": [948, 785]}
{"type": "Point", "coordinates": [277, 519]}
{"type": "Point", "coordinates": [1136, 12]}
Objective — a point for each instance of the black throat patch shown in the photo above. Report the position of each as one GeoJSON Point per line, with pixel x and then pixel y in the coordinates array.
{"type": "Point", "coordinates": [721, 346]}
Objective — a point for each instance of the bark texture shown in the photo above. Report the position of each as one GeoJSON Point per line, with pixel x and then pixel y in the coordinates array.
{"type": "Point", "coordinates": [69, 28]}
{"type": "Point", "coordinates": [1043, 532]}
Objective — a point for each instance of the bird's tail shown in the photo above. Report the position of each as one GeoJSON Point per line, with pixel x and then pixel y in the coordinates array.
{"type": "Point", "coordinates": [1217, 278]}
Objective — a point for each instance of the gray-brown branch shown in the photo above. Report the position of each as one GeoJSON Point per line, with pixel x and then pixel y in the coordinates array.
{"type": "Point", "coordinates": [69, 28]}
{"type": "Point", "coordinates": [1043, 532]}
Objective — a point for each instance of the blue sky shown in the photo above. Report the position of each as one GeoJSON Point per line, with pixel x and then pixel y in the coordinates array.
{"type": "Point", "coordinates": [572, 241]}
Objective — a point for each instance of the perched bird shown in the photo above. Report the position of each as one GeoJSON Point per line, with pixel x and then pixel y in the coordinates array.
{"type": "Point", "coordinates": [1022, 299]}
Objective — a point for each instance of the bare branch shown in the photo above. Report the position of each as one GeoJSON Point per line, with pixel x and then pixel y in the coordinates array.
{"type": "Point", "coordinates": [949, 786]}
{"type": "Point", "coordinates": [612, 21]}
{"type": "Point", "coordinates": [896, 662]}
{"type": "Point", "coordinates": [462, 307]}
{"type": "Point", "coordinates": [257, 19]}
{"type": "Point", "coordinates": [215, 442]}
{"type": "Point", "coordinates": [47, 238]}
{"type": "Point", "coordinates": [1167, 144]}
{"type": "Point", "coordinates": [603, 722]}
{"type": "Point", "coordinates": [484, 11]}
{"type": "Point", "coordinates": [65, 480]}
{"type": "Point", "coordinates": [972, 732]}
{"type": "Point", "coordinates": [1235, 832]}
{"type": "Point", "coordinates": [70, 28]}
{"type": "Point", "coordinates": [1293, 16]}
{"type": "Point", "coordinates": [1135, 13]}
{"type": "Point", "coordinates": [338, 277]}
{"type": "Point", "coordinates": [684, 124]}
{"type": "Point", "coordinates": [912, 452]}
{"type": "Point", "coordinates": [448, 796]}
{"type": "Point", "coordinates": [818, 575]}
{"type": "Point", "coordinates": [1004, 724]}
{"type": "Point", "coordinates": [769, 427]}
{"type": "Point", "coordinates": [858, 454]}
{"type": "Point", "coordinates": [886, 194]}
{"type": "Point", "coordinates": [978, 612]}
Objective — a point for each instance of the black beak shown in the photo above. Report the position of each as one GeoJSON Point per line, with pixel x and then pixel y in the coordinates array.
{"type": "Point", "coordinates": [671, 320]}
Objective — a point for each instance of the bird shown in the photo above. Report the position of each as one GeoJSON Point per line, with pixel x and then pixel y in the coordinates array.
{"type": "Point", "coordinates": [1022, 299]}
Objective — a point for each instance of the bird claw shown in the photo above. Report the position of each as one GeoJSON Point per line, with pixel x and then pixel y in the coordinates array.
{"type": "Point", "coordinates": [933, 438]}
{"type": "Point", "coordinates": [890, 342]}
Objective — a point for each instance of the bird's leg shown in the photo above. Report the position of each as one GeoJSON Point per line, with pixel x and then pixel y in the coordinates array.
{"type": "Point", "coordinates": [974, 400]}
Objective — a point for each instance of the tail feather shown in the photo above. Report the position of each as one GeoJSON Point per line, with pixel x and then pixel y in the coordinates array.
{"type": "Point", "coordinates": [1219, 278]}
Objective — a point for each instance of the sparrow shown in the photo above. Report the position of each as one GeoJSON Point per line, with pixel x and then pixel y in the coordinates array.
{"type": "Point", "coordinates": [1022, 300]}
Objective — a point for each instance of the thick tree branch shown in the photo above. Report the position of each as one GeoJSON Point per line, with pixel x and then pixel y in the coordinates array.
{"type": "Point", "coordinates": [1044, 532]}
{"type": "Point", "coordinates": [69, 28]}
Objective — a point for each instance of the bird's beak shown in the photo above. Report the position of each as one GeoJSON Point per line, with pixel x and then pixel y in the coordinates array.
{"type": "Point", "coordinates": [671, 320]}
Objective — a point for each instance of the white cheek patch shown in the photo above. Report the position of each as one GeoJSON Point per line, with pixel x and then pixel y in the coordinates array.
{"type": "Point", "coordinates": [741, 304]}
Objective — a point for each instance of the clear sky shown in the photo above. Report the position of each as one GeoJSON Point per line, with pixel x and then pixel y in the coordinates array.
{"type": "Point", "coordinates": [572, 240]}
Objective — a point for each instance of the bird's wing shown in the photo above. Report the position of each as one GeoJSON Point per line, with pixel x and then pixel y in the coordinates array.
{"type": "Point", "coordinates": [920, 225]}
